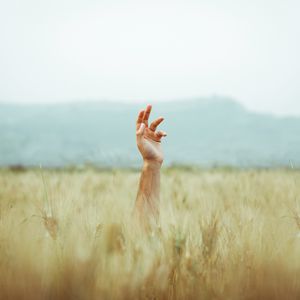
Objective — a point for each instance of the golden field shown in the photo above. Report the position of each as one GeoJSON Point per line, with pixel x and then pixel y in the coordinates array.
{"type": "Point", "coordinates": [223, 234]}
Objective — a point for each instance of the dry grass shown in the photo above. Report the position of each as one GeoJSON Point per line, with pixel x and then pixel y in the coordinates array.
{"type": "Point", "coordinates": [223, 235]}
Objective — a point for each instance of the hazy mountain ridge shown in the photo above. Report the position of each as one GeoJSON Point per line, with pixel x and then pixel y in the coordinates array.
{"type": "Point", "coordinates": [201, 131]}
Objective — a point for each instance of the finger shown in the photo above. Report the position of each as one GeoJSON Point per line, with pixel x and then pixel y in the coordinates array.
{"type": "Point", "coordinates": [147, 114]}
{"type": "Point", "coordinates": [140, 130]}
{"type": "Point", "coordinates": [161, 134]}
{"type": "Point", "coordinates": [155, 123]}
{"type": "Point", "coordinates": [140, 118]}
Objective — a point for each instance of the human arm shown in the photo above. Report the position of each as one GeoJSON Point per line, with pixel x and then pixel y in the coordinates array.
{"type": "Point", "coordinates": [149, 145]}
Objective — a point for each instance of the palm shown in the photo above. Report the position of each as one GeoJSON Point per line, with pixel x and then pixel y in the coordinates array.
{"type": "Point", "coordinates": [148, 139]}
{"type": "Point", "coordinates": [149, 147]}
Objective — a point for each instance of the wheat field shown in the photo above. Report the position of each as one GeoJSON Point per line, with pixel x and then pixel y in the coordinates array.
{"type": "Point", "coordinates": [223, 234]}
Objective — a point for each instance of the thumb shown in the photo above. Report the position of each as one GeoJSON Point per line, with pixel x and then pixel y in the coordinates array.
{"type": "Point", "coordinates": [141, 130]}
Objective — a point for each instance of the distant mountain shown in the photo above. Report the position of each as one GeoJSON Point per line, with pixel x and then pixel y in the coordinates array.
{"type": "Point", "coordinates": [206, 132]}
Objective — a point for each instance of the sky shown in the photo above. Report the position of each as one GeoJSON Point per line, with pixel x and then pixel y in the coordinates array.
{"type": "Point", "coordinates": [71, 50]}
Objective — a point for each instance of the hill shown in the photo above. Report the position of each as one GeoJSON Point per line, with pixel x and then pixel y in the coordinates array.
{"type": "Point", "coordinates": [207, 132]}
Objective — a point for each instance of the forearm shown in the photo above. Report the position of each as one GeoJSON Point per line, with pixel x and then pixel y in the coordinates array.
{"type": "Point", "coordinates": [147, 201]}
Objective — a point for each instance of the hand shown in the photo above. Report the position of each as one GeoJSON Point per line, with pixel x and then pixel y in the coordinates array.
{"type": "Point", "coordinates": [148, 139]}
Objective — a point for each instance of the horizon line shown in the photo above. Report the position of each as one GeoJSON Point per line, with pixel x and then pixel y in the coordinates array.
{"type": "Point", "coordinates": [127, 101]}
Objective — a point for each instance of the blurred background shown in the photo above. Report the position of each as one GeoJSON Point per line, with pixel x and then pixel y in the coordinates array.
{"type": "Point", "coordinates": [224, 74]}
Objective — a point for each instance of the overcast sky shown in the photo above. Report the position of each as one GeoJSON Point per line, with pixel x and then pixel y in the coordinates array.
{"type": "Point", "coordinates": [63, 50]}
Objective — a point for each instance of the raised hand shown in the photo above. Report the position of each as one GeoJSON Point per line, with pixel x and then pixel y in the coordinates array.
{"type": "Point", "coordinates": [149, 143]}
{"type": "Point", "coordinates": [148, 139]}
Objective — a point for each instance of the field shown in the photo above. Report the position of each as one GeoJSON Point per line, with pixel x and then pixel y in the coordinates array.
{"type": "Point", "coordinates": [224, 234]}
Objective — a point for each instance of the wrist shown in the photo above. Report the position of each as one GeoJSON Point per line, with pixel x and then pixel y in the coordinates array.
{"type": "Point", "coordinates": [152, 164]}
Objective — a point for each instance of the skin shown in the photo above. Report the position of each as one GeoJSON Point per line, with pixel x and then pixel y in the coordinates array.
{"type": "Point", "coordinates": [149, 144]}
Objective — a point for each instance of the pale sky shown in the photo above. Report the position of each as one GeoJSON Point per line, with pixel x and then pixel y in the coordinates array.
{"type": "Point", "coordinates": [65, 50]}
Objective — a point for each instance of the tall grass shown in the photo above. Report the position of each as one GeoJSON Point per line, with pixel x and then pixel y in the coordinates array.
{"type": "Point", "coordinates": [223, 234]}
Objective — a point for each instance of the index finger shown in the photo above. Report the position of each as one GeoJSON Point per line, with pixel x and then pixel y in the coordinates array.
{"type": "Point", "coordinates": [140, 118]}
